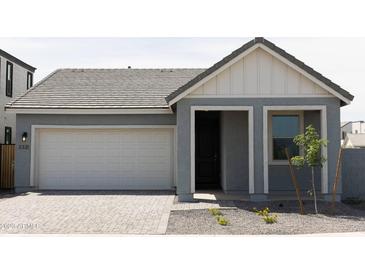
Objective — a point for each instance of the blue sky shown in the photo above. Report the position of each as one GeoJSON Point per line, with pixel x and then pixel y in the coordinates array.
{"type": "Point", "coordinates": [340, 59]}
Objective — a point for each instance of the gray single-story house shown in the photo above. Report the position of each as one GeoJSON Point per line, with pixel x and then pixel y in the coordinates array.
{"type": "Point", "coordinates": [224, 127]}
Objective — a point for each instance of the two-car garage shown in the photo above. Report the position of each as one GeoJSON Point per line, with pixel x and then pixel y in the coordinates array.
{"type": "Point", "coordinates": [103, 157]}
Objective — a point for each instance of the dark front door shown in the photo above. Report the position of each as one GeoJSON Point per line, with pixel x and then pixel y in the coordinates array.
{"type": "Point", "coordinates": [207, 161]}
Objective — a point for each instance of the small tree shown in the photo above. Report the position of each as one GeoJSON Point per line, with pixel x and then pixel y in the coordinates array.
{"type": "Point", "coordinates": [310, 144]}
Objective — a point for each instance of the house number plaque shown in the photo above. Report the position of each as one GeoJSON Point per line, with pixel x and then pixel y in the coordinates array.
{"type": "Point", "coordinates": [23, 146]}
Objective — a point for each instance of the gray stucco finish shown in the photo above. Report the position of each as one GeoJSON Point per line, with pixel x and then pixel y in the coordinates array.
{"type": "Point", "coordinates": [234, 151]}
{"type": "Point", "coordinates": [183, 129]}
{"type": "Point", "coordinates": [24, 123]}
{"type": "Point", "coordinates": [182, 120]}
{"type": "Point", "coordinates": [353, 173]}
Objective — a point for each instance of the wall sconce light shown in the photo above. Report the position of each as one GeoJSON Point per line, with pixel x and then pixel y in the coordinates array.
{"type": "Point", "coordinates": [24, 137]}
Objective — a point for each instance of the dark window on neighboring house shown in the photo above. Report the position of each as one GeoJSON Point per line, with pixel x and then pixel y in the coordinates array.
{"type": "Point", "coordinates": [284, 129]}
{"type": "Point", "coordinates": [7, 135]}
{"type": "Point", "coordinates": [9, 79]}
{"type": "Point", "coordinates": [29, 80]}
{"type": "Point", "coordinates": [343, 135]}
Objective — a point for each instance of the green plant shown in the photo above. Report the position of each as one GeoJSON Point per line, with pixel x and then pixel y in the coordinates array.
{"type": "Point", "coordinates": [270, 219]}
{"type": "Point", "coordinates": [311, 145]}
{"type": "Point", "coordinates": [218, 216]}
{"type": "Point", "coordinates": [221, 220]}
{"type": "Point", "coordinates": [265, 213]}
{"type": "Point", "coordinates": [215, 212]}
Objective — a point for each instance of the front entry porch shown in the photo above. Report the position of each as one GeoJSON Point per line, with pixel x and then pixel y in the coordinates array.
{"type": "Point", "coordinates": [222, 149]}
{"type": "Point", "coordinates": [243, 156]}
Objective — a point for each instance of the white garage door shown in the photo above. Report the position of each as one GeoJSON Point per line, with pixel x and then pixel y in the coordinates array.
{"type": "Point", "coordinates": [105, 158]}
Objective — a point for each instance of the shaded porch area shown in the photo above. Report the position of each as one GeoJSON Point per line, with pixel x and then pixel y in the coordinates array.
{"type": "Point", "coordinates": [221, 151]}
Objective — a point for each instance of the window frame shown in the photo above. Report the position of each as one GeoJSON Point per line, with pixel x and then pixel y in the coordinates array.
{"type": "Point", "coordinates": [300, 114]}
{"type": "Point", "coordinates": [11, 135]}
{"type": "Point", "coordinates": [9, 83]}
{"type": "Point", "coordinates": [29, 76]}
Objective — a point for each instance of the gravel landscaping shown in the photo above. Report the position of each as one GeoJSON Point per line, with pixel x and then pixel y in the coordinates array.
{"type": "Point", "coordinates": [242, 219]}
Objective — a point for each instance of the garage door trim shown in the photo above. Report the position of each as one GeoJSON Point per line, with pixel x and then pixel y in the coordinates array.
{"type": "Point", "coordinates": [33, 140]}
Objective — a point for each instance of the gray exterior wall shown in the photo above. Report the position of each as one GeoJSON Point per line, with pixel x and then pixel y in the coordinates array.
{"type": "Point", "coordinates": [236, 176]}
{"type": "Point", "coordinates": [183, 129]}
{"type": "Point", "coordinates": [234, 150]}
{"type": "Point", "coordinates": [25, 122]}
{"type": "Point", "coordinates": [353, 173]}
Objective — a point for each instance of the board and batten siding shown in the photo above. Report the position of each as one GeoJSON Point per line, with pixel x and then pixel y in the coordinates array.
{"type": "Point", "coordinates": [259, 74]}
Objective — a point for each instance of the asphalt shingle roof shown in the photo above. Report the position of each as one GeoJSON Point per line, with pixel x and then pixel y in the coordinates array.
{"type": "Point", "coordinates": [105, 88]}
{"type": "Point", "coordinates": [133, 88]}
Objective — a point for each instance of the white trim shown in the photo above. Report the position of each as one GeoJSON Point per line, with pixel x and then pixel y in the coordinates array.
{"type": "Point", "coordinates": [91, 111]}
{"type": "Point", "coordinates": [261, 96]}
{"type": "Point", "coordinates": [213, 74]}
{"type": "Point", "coordinates": [33, 140]}
{"type": "Point", "coordinates": [324, 150]}
{"type": "Point", "coordinates": [323, 110]}
{"type": "Point", "coordinates": [273, 53]}
{"type": "Point", "coordinates": [250, 140]}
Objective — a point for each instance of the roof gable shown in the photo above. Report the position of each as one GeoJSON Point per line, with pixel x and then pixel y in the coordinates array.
{"type": "Point", "coordinates": [313, 83]}
{"type": "Point", "coordinates": [259, 74]}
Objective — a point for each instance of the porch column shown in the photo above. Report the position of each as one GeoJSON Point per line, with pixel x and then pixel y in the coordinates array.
{"type": "Point", "coordinates": [332, 120]}
{"type": "Point", "coordinates": [259, 189]}
{"type": "Point", "coordinates": [183, 184]}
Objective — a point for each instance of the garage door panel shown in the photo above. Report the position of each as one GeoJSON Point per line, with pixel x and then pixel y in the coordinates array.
{"type": "Point", "coordinates": [105, 159]}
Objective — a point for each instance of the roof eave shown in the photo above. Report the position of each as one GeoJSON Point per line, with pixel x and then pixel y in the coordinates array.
{"type": "Point", "coordinates": [12, 58]}
{"type": "Point", "coordinates": [99, 110]}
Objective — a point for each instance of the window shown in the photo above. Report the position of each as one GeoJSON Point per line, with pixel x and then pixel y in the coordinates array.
{"type": "Point", "coordinates": [343, 135]}
{"type": "Point", "coordinates": [9, 79]}
{"type": "Point", "coordinates": [284, 128]}
{"type": "Point", "coordinates": [29, 80]}
{"type": "Point", "coordinates": [7, 135]}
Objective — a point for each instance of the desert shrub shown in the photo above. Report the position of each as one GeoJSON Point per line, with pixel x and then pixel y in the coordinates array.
{"type": "Point", "coordinates": [215, 212]}
{"type": "Point", "coordinates": [266, 216]}
{"type": "Point", "coordinates": [222, 221]}
{"type": "Point", "coordinates": [270, 219]}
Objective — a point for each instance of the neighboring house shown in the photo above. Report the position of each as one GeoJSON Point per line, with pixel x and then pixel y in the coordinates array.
{"type": "Point", "coordinates": [15, 78]}
{"type": "Point", "coordinates": [354, 140]}
{"type": "Point", "coordinates": [224, 127]}
{"type": "Point", "coordinates": [354, 127]}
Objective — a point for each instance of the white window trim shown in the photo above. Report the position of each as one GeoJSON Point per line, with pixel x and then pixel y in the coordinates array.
{"type": "Point", "coordinates": [34, 139]}
{"type": "Point", "coordinates": [323, 111]}
{"type": "Point", "coordinates": [193, 109]}
{"type": "Point", "coordinates": [300, 113]}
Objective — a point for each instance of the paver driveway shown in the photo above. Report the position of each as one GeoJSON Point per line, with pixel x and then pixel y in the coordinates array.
{"type": "Point", "coordinates": [127, 212]}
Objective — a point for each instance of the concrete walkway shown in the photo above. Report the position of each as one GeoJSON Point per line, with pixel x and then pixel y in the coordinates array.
{"type": "Point", "coordinates": [124, 212]}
